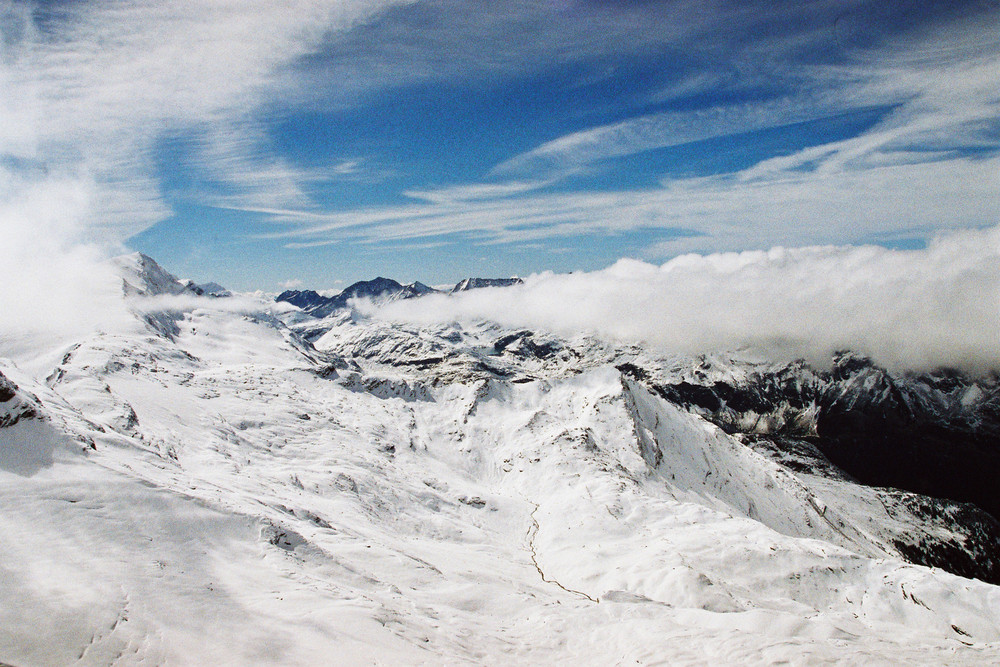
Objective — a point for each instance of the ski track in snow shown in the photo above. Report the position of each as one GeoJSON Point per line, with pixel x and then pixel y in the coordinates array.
{"type": "Point", "coordinates": [238, 508]}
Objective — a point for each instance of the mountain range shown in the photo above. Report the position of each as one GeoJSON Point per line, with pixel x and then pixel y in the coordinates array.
{"type": "Point", "coordinates": [223, 480]}
{"type": "Point", "coordinates": [381, 290]}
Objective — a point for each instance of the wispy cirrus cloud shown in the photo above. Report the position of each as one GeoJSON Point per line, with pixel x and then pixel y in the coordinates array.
{"type": "Point", "coordinates": [931, 162]}
{"type": "Point", "coordinates": [577, 151]}
{"type": "Point", "coordinates": [763, 206]}
{"type": "Point", "coordinates": [97, 86]}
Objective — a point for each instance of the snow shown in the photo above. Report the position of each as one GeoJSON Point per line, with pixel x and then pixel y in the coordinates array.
{"type": "Point", "coordinates": [238, 507]}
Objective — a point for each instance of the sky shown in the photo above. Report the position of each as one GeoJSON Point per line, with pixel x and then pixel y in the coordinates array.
{"type": "Point", "coordinates": [274, 144]}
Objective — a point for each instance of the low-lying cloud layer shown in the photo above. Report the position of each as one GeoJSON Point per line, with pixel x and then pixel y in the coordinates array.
{"type": "Point", "coordinates": [54, 285]}
{"type": "Point", "coordinates": [914, 309]}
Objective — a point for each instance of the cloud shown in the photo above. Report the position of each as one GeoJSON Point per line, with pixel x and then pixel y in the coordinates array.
{"type": "Point", "coordinates": [98, 85]}
{"type": "Point", "coordinates": [932, 162]}
{"type": "Point", "coordinates": [347, 167]}
{"type": "Point", "coordinates": [180, 303]}
{"type": "Point", "coordinates": [715, 45]}
{"type": "Point", "coordinates": [294, 283]}
{"type": "Point", "coordinates": [572, 153]}
{"type": "Point", "coordinates": [95, 88]}
{"type": "Point", "coordinates": [475, 192]}
{"type": "Point", "coordinates": [54, 287]}
{"type": "Point", "coordinates": [93, 94]}
{"type": "Point", "coordinates": [838, 193]}
{"type": "Point", "coordinates": [462, 40]}
{"type": "Point", "coordinates": [916, 309]}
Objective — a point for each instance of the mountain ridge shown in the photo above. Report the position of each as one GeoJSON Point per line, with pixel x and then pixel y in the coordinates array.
{"type": "Point", "coordinates": [380, 290]}
{"type": "Point", "coordinates": [466, 493]}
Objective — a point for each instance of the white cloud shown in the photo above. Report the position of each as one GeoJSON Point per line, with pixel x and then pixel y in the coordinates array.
{"type": "Point", "coordinates": [573, 152]}
{"type": "Point", "coordinates": [347, 167]}
{"type": "Point", "coordinates": [102, 83]}
{"type": "Point", "coordinates": [475, 192]}
{"type": "Point", "coordinates": [86, 99]}
{"type": "Point", "coordinates": [181, 303]}
{"type": "Point", "coordinates": [98, 87]}
{"type": "Point", "coordinates": [908, 309]}
{"type": "Point", "coordinates": [832, 194]}
{"type": "Point", "coordinates": [53, 285]}
{"type": "Point", "coordinates": [931, 163]}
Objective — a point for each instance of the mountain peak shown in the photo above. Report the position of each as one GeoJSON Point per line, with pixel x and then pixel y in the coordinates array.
{"type": "Point", "coordinates": [377, 289]}
{"type": "Point", "coordinates": [143, 276]}
{"type": "Point", "coordinates": [420, 289]}
{"type": "Point", "coordinates": [478, 283]}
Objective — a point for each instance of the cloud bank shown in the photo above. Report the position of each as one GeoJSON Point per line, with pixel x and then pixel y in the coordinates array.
{"type": "Point", "coordinates": [909, 310]}
{"type": "Point", "coordinates": [53, 285]}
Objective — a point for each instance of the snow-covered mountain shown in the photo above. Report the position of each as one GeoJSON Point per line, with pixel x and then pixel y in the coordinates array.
{"type": "Point", "coordinates": [142, 276]}
{"type": "Point", "coordinates": [936, 435]}
{"type": "Point", "coordinates": [221, 481]}
{"type": "Point", "coordinates": [379, 290]}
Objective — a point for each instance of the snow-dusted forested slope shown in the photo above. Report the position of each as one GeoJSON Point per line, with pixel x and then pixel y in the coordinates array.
{"type": "Point", "coordinates": [204, 485]}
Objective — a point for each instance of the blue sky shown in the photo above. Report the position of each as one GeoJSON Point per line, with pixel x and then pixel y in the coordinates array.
{"type": "Point", "coordinates": [316, 144]}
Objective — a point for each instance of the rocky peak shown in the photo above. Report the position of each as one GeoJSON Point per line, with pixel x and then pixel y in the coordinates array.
{"type": "Point", "coordinates": [479, 283]}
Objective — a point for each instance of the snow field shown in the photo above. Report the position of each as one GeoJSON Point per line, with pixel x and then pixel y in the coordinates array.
{"type": "Point", "coordinates": [241, 509]}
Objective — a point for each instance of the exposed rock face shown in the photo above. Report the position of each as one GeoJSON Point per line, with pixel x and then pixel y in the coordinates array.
{"type": "Point", "coordinates": [379, 290]}
{"type": "Point", "coordinates": [479, 283]}
{"type": "Point", "coordinates": [936, 434]}
{"type": "Point", "coordinates": [425, 485]}
{"type": "Point", "coordinates": [14, 406]}
{"type": "Point", "coordinates": [924, 446]}
{"type": "Point", "coordinates": [308, 300]}
{"type": "Point", "coordinates": [934, 439]}
{"type": "Point", "coordinates": [420, 289]}
{"type": "Point", "coordinates": [208, 289]}
{"type": "Point", "coordinates": [7, 389]}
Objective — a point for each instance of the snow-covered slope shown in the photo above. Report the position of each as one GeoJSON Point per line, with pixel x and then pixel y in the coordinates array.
{"type": "Point", "coordinates": [770, 409]}
{"type": "Point", "coordinates": [222, 491]}
{"type": "Point", "coordinates": [142, 276]}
